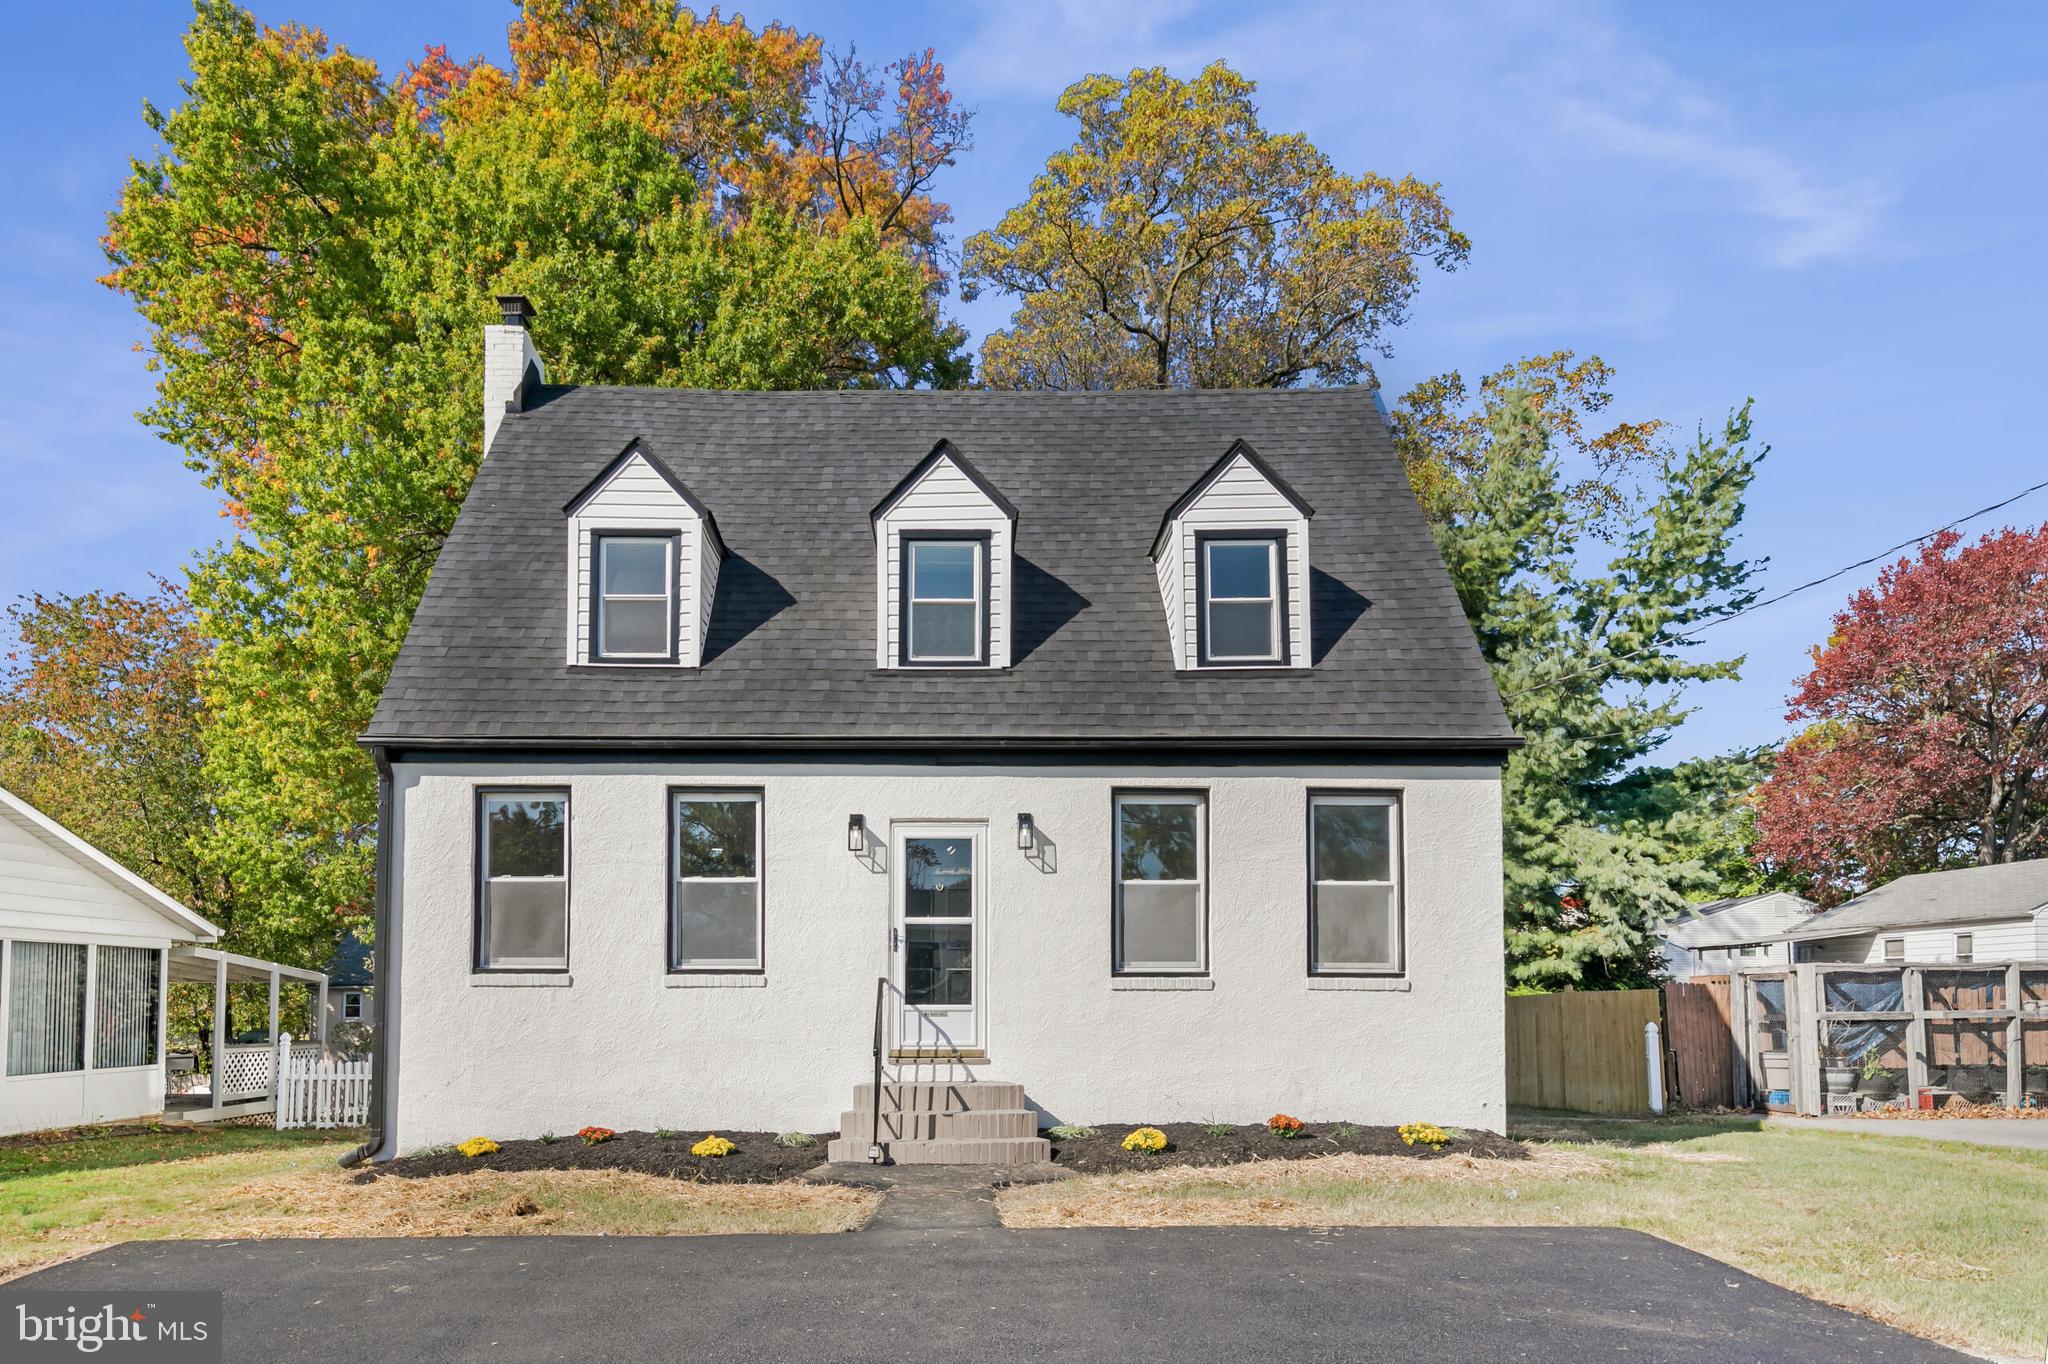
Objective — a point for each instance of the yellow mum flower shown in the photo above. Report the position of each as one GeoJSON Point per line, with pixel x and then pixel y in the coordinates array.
{"type": "Point", "coordinates": [1424, 1134]}
{"type": "Point", "coordinates": [477, 1146]}
{"type": "Point", "coordinates": [713, 1145]}
{"type": "Point", "coordinates": [1145, 1139]}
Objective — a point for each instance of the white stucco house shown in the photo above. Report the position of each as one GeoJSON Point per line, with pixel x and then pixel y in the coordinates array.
{"type": "Point", "coordinates": [1127, 754]}
{"type": "Point", "coordinates": [1968, 914]}
{"type": "Point", "coordinates": [1720, 936]}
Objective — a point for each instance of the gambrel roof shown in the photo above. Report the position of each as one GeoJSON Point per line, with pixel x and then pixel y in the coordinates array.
{"type": "Point", "coordinates": [790, 655]}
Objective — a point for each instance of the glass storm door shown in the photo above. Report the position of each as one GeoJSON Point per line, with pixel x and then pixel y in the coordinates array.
{"type": "Point", "coordinates": [932, 941]}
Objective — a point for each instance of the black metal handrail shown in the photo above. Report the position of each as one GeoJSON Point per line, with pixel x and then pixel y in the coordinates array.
{"type": "Point", "coordinates": [875, 1096]}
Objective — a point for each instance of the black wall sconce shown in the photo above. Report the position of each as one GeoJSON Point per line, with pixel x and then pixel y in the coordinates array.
{"type": "Point", "coordinates": [1027, 833]}
{"type": "Point", "coordinates": [856, 833]}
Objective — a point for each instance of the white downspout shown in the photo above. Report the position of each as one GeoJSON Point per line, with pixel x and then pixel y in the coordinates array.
{"type": "Point", "coordinates": [1653, 1056]}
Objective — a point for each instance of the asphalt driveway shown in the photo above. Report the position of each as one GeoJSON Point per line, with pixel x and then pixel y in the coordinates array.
{"type": "Point", "coordinates": [1194, 1294]}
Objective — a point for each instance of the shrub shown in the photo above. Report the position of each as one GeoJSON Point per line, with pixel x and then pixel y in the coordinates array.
{"type": "Point", "coordinates": [713, 1146]}
{"type": "Point", "coordinates": [548, 1139]}
{"type": "Point", "coordinates": [1424, 1134]}
{"type": "Point", "coordinates": [477, 1146]}
{"type": "Point", "coordinates": [1068, 1131]}
{"type": "Point", "coordinates": [667, 1133]}
{"type": "Point", "coordinates": [1218, 1129]}
{"type": "Point", "coordinates": [1146, 1140]}
{"type": "Point", "coordinates": [593, 1135]}
{"type": "Point", "coordinates": [1344, 1131]}
{"type": "Point", "coordinates": [796, 1140]}
{"type": "Point", "coordinates": [1284, 1127]}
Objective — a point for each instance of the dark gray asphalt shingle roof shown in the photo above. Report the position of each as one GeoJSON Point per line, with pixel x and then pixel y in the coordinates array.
{"type": "Point", "coordinates": [790, 653]}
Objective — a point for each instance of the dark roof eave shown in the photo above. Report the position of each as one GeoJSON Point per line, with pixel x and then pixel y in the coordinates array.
{"type": "Point", "coordinates": [1460, 744]}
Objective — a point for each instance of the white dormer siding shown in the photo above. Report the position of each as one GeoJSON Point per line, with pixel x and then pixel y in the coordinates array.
{"type": "Point", "coordinates": [945, 498]}
{"type": "Point", "coordinates": [636, 495]}
{"type": "Point", "coordinates": [1239, 496]}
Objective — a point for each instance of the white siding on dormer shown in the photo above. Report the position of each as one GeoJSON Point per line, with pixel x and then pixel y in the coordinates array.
{"type": "Point", "coordinates": [705, 589]}
{"type": "Point", "coordinates": [636, 497]}
{"type": "Point", "coordinates": [944, 499]}
{"type": "Point", "coordinates": [1239, 499]}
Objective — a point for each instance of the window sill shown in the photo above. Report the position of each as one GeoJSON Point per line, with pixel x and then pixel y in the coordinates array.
{"type": "Point", "coordinates": [521, 980]}
{"type": "Point", "coordinates": [1382, 984]}
{"type": "Point", "coordinates": [1162, 983]}
{"type": "Point", "coordinates": [713, 980]}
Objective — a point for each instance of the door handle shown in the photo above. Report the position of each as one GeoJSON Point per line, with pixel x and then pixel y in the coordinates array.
{"type": "Point", "coordinates": [895, 939]}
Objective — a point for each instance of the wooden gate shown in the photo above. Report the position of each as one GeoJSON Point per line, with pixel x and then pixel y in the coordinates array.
{"type": "Point", "coordinates": [1701, 1044]}
{"type": "Point", "coordinates": [1581, 1050]}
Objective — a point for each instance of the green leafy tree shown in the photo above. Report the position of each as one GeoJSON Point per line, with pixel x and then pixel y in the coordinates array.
{"type": "Point", "coordinates": [314, 249]}
{"type": "Point", "coordinates": [1178, 242]}
{"type": "Point", "coordinates": [1590, 665]}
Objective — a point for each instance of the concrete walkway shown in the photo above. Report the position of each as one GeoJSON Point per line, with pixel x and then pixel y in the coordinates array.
{"type": "Point", "coordinates": [2027, 1134]}
{"type": "Point", "coordinates": [1176, 1296]}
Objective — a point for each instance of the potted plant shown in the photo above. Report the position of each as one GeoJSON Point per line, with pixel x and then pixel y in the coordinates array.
{"type": "Point", "coordinates": [1835, 1072]}
{"type": "Point", "coordinates": [1876, 1081]}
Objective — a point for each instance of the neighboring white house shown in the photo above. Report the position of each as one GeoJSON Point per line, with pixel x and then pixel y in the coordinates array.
{"type": "Point", "coordinates": [1724, 935]}
{"type": "Point", "coordinates": [351, 985]}
{"type": "Point", "coordinates": [88, 951]}
{"type": "Point", "coordinates": [1030, 722]}
{"type": "Point", "coordinates": [1970, 914]}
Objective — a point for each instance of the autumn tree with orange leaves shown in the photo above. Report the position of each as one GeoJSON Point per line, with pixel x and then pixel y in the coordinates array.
{"type": "Point", "coordinates": [314, 248]}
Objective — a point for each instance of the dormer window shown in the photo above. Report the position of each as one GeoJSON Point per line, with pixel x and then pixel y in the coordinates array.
{"type": "Point", "coordinates": [644, 559]}
{"type": "Point", "coordinates": [1232, 560]}
{"type": "Point", "coordinates": [946, 608]}
{"type": "Point", "coordinates": [944, 543]}
{"type": "Point", "coordinates": [636, 601]}
{"type": "Point", "coordinates": [1242, 621]}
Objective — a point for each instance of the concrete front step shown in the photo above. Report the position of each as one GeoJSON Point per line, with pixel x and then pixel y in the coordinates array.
{"type": "Point", "coordinates": [948, 1151]}
{"type": "Point", "coordinates": [857, 1124]}
{"type": "Point", "coordinates": [941, 1096]}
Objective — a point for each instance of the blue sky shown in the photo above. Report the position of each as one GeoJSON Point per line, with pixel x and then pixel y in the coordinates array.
{"type": "Point", "coordinates": [1836, 209]}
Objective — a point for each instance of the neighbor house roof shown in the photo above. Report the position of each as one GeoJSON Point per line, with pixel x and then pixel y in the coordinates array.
{"type": "Point", "coordinates": [1740, 920]}
{"type": "Point", "coordinates": [71, 845]}
{"type": "Point", "coordinates": [352, 962]}
{"type": "Point", "coordinates": [2013, 890]}
{"type": "Point", "coordinates": [789, 656]}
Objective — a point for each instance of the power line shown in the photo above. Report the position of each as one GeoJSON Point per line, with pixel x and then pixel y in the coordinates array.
{"type": "Point", "coordinates": [1774, 600]}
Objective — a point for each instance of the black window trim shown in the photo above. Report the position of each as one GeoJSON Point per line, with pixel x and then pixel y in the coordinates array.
{"type": "Point", "coordinates": [759, 795]}
{"type": "Point", "coordinates": [1206, 831]}
{"type": "Point", "coordinates": [1278, 537]}
{"type": "Point", "coordinates": [478, 878]}
{"type": "Point", "coordinates": [1397, 797]}
{"type": "Point", "coordinates": [595, 653]}
{"type": "Point", "coordinates": [907, 538]}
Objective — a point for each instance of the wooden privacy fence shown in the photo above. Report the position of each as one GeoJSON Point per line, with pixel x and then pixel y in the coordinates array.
{"type": "Point", "coordinates": [1697, 1036]}
{"type": "Point", "coordinates": [315, 1091]}
{"type": "Point", "coordinates": [1580, 1050]}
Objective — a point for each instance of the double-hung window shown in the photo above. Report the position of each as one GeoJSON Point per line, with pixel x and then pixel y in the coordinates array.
{"type": "Point", "coordinates": [1161, 883]}
{"type": "Point", "coordinates": [1354, 885]}
{"type": "Point", "coordinates": [1242, 620]}
{"type": "Point", "coordinates": [945, 601]}
{"type": "Point", "coordinates": [1894, 949]}
{"type": "Point", "coordinates": [352, 1006]}
{"type": "Point", "coordinates": [715, 908]}
{"type": "Point", "coordinates": [1966, 947]}
{"type": "Point", "coordinates": [636, 598]}
{"type": "Point", "coordinates": [522, 919]}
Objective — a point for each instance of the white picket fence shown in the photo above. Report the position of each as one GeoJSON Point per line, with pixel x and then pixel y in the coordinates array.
{"type": "Point", "coordinates": [314, 1091]}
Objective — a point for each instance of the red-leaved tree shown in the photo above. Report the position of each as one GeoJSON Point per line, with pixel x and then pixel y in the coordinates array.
{"type": "Point", "coordinates": [1927, 723]}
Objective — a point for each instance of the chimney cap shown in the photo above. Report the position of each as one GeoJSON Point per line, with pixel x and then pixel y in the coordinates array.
{"type": "Point", "coordinates": [518, 312]}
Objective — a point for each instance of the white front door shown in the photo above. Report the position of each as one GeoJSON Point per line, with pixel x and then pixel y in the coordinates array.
{"type": "Point", "coordinates": [934, 956]}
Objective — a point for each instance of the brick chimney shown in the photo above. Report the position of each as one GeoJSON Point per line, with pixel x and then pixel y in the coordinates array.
{"type": "Point", "coordinates": [512, 367]}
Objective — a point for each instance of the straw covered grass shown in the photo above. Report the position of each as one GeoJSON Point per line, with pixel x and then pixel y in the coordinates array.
{"type": "Point", "coordinates": [59, 1200]}
{"type": "Point", "coordinates": [1941, 1239]}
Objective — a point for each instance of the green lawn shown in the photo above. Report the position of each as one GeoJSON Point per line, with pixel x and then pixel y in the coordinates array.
{"type": "Point", "coordinates": [92, 1188]}
{"type": "Point", "coordinates": [1942, 1239]}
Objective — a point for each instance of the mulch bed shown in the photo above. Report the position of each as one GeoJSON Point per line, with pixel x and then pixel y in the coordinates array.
{"type": "Point", "coordinates": [1190, 1143]}
{"type": "Point", "coordinates": [758, 1160]}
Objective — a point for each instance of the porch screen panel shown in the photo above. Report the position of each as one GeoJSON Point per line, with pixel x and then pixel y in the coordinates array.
{"type": "Point", "coordinates": [125, 1007]}
{"type": "Point", "coordinates": [46, 1008]}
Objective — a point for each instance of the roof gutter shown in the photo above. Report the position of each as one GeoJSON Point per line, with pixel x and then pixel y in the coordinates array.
{"type": "Point", "coordinates": [381, 1088]}
{"type": "Point", "coordinates": [1496, 744]}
